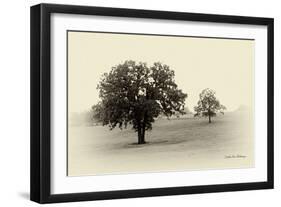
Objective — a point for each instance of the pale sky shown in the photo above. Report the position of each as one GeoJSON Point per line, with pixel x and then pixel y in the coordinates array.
{"type": "Point", "coordinates": [224, 65]}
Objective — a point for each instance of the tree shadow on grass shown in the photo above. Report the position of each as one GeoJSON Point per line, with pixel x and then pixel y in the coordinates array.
{"type": "Point", "coordinates": [151, 144]}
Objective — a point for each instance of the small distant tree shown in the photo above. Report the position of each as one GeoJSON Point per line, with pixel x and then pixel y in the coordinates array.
{"type": "Point", "coordinates": [208, 105]}
{"type": "Point", "coordinates": [133, 93]}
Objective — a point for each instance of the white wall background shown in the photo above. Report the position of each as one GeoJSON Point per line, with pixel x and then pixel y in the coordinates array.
{"type": "Point", "coordinates": [14, 104]}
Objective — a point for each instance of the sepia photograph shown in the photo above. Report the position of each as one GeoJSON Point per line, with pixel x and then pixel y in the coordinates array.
{"type": "Point", "coordinates": [139, 103]}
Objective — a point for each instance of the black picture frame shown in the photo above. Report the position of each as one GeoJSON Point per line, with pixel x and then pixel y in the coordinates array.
{"type": "Point", "coordinates": [40, 177]}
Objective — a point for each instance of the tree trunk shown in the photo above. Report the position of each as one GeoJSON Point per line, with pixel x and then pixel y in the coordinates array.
{"type": "Point", "coordinates": [141, 130]}
{"type": "Point", "coordinates": [143, 127]}
{"type": "Point", "coordinates": [141, 138]}
{"type": "Point", "coordinates": [209, 114]}
{"type": "Point", "coordinates": [141, 135]}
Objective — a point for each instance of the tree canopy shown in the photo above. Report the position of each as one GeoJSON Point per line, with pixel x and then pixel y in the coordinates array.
{"type": "Point", "coordinates": [208, 105]}
{"type": "Point", "coordinates": [133, 93]}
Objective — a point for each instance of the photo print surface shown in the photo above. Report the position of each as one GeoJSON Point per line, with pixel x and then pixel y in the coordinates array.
{"type": "Point", "coordinates": [139, 103]}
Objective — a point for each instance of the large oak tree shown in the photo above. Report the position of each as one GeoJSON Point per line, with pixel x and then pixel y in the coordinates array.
{"type": "Point", "coordinates": [133, 93]}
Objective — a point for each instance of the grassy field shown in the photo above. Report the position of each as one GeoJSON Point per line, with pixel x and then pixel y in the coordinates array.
{"type": "Point", "coordinates": [173, 145]}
